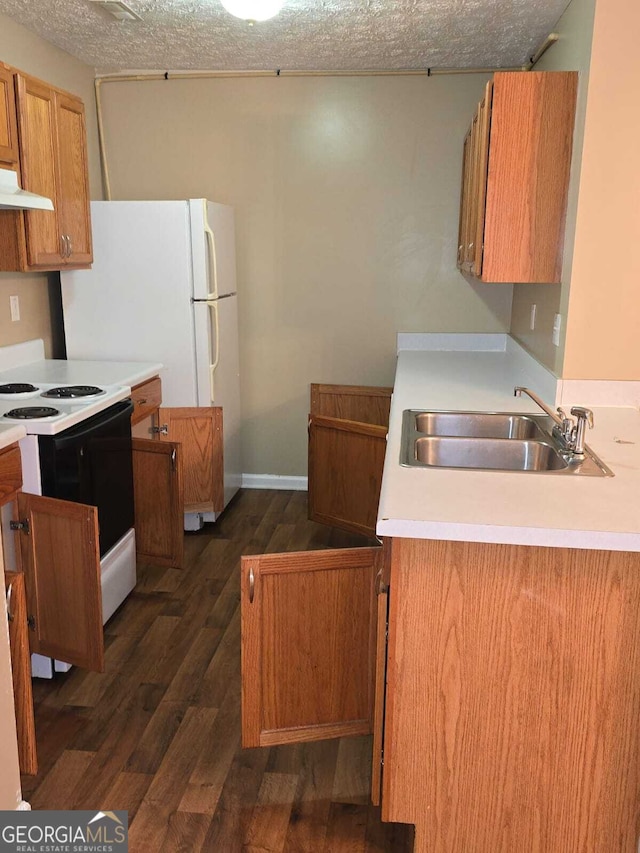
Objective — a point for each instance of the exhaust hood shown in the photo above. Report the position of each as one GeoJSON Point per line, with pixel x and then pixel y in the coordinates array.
{"type": "Point", "coordinates": [13, 198]}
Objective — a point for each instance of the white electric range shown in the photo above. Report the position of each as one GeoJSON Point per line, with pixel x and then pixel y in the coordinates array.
{"type": "Point", "coordinates": [71, 408]}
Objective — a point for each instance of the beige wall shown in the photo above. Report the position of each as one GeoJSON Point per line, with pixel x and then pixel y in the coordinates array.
{"type": "Point", "coordinates": [346, 192]}
{"type": "Point", "coordinates": [603, 331]}
{"type": "Point", "coordinates": [572, 52]}
{"type": "Point", "coordinates": [26, 51]}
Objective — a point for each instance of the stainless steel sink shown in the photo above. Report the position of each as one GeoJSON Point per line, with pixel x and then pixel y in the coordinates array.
{"type": "Point", "coordinates": [481, 424]}
{"type": "Point", "coordinates": [490, 441]}
{"type": "Point", "coordinates": [495, 454]}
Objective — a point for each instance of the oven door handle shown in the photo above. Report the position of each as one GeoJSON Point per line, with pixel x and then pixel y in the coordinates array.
{"type": "Point", "coordinates": [86, 428]}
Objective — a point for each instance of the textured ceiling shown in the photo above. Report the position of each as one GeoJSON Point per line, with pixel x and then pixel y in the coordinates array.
{"type": "Point", "coordinates": [305, 35]}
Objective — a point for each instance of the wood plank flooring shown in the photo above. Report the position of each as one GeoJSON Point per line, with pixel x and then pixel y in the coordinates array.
{"type": "Point", "coordinates": [158, 733]}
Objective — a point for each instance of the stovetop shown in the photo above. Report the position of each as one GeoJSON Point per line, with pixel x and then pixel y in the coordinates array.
{"type": "Point", "coordinates": [55, 411]}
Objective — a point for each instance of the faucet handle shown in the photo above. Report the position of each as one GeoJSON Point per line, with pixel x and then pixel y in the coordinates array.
{"type": "Point", "coordinates": [582, 413]}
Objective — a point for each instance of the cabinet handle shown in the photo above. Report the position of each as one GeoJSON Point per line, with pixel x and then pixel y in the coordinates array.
{"type": "Point", "coordinates": [381, 586]}
{"type": "Point", "coordinates": [252, 586]}
{"type": "Point", "coordinates": [9, 597]}
{"type": "Point", "coordinates": [173, 459]}
{"type": "Point", "coordinates": [70, 245]}
{"type": "Point", "coordinates": [141, 402]}
{"type": "Point", "coordinates": [63, 251]}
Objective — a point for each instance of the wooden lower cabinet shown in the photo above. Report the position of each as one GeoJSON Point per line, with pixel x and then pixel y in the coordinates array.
{"type": "Point", "coordinates": [159, 502]}
{"type": "Point", "coordinates": [199, 431]}
{"type": "Point", "coordinates": [308, 645]}
{"type": "Point", "coordinates": [60, 557]}
{"type": "Point", "coordinates": [513, 697]}
{"type": "Point", "coordinates": [347, 444]}
{"type": "Point", "coordinates": [21, 671]}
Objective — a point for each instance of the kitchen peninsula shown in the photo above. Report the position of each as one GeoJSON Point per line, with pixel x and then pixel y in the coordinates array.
{"type": "Point", "coordinates": [512, 690]}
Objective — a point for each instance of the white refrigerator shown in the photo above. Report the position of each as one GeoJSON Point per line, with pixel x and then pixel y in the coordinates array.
{"type": "Point", "coordinates": [163, 288]}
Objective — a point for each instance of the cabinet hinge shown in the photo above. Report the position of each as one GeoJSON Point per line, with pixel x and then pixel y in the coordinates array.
{"type": "Point", "coordinates": [160, 430]}
{"type": "Point", "coordinates": [31, 622]}
{"type": "Point", "coordinates": [20, 525]}
{"type": "Point", "coordinates": [382, 757]}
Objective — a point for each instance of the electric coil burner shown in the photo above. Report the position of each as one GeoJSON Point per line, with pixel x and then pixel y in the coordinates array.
{"type": "Point", "coordinates": [29, 412]}
{"type": "Point", "coordinates": [71, 391]}
{"type": "Point", "coordinates": [18, 388]}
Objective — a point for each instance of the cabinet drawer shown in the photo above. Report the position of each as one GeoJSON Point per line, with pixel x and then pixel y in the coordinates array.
{"type": "Point", "coordinates": [10, 472]}
{"type": "Point", "coordinates": [146, 398]}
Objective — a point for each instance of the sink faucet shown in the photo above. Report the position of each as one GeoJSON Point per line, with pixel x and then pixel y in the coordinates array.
{"type": "Point", "coordinates": [571, 432]}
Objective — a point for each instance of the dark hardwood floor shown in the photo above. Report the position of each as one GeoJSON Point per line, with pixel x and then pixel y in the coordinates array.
{"type": "Point", "coordinates": [158, 733]}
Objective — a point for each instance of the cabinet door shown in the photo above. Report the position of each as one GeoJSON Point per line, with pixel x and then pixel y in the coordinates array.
{"type": "Point", "coordinates": [382, 589]}
{"type": "Point", "coordinates": [37, 124]}
{"type": "Point", "coordinates": [308, 645]}
{"type": "Point", "coordinates": [74, 213]}
{"type": "Point", "coordinates": [21, 671]}
{"type": "Point", "coordinates": [345, 472]}
{"type": "Point", "coordinates": [481, 164]}
{"type": "Point", "coordinates": [8, 124]}
{"type": "Point", "coordinates": [362, 403]}
{"type": "Point", "coordinates": [199, 431]}
{"type": "Point", "coordinates": [465, 201]}
{"type": "Point", "coordinates": [159, 504]}
{"type": "Point", "coordinates": [61, 563]}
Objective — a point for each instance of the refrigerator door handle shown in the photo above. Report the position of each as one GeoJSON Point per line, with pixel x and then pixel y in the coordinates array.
{"type": "Point", "coordinates": [211, 251]}
{"type": "Point", "coordinates": [213, 308]}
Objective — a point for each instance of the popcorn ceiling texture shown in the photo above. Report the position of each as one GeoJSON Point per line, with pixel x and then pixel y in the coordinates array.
{"type": "Point", "coordinates": [307, 35]}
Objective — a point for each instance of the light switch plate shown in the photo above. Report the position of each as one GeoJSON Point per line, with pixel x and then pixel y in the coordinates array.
{"type": "Point", "coordinates": [15, 308]}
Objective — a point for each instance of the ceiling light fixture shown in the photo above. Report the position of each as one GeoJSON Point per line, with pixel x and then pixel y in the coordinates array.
{"type": "Point", "coordinates": [253, 10]}
{"type": "Point", "coordinates": [120, 11]}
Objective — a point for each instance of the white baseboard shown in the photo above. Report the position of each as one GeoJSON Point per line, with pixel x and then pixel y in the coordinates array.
{"type": "Point", "coordinates": [274, 481]}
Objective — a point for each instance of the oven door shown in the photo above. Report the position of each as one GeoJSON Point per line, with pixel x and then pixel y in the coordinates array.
{"type": "Point", "coordinates": [91, 464]}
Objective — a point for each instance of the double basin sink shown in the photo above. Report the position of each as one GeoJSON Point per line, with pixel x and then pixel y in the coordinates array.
{"type": "Point", "coordinates": [490, 441]}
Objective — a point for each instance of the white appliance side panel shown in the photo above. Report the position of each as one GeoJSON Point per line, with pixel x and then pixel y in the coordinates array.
{"type": "Point", "coordinates": [134, 304]}
{"type": "Point", "coordinates": [118, 574]}
{"type": "Point", "coordinates": [221, 339]}
{"type": "Point", "coordinates": [220, 219]}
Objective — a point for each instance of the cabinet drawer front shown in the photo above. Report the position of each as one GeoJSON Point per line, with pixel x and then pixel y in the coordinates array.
{"type": "Point", "coordinates": [10, 472]}
{"type": "Point", "coordinates": [146, 398]}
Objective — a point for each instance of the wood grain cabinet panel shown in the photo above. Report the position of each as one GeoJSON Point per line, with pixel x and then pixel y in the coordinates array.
{"type": "Point", "coordinates": [53, 163]}
{"type": "Point", "coordinates": [516, 163]}
{"type": "Point", "coordinates": [308, 645]}
{"type": "Point", "coordinates": [159, 502]}
{"type": "Point", "coordinates": [21, 670]}
{"type": "Point", "coordinates": [61, 562]}
{"type": "Point", "coordinates": [8, 122]}
{"type": "Point", "coordinates": [73, 193]}
{"type": "Point", "coordinates": [347, 442]}
{"type": "Point", "coordinates": [199, 431]}
{"type": "Point", "coordinates": [146, 399]}
{"type": "Point", "coordinates": [513, 697]}
{"type": "Point", "coordinates": [10, 473]}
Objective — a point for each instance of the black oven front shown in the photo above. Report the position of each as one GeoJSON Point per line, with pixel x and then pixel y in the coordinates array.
{"type": "Point", "coordinates": [91, 463]}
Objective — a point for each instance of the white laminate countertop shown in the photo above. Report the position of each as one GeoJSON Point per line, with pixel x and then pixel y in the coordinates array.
{"type": "Point", "coordinates": [65, 372]}
{"type": "Point", "coordinates": [506, 507]}
{"type": "Point", "coordinates": [10, 434]}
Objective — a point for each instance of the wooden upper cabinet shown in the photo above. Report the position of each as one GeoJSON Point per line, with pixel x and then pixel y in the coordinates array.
{"type": "Point", "coordinates": [199, 431]}
{"type": "Point", "coordinates": [347, 444]}
{"type": "Point", "coordinates": [516, 163]}
{"type": "Point", "coordinates": [61, 563]}
{"type": "Point", "coordinates": [52, 163]}
{"type": "Point", "coordinates": [308, 645]}
{"type": "Point", "coordinates": [73, 194]}
{"type": "Point", "coordinates": [37, 122]}
{"type": "Point", "coordinates": [8, 123]}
